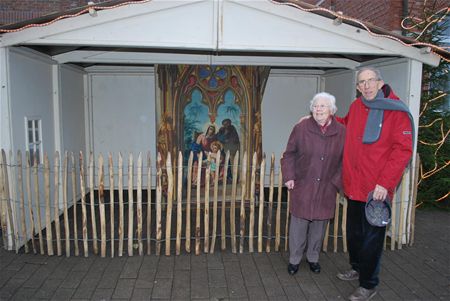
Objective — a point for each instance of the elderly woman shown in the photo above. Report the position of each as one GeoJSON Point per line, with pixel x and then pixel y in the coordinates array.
{"type": "Point", "coordinates": [311, 166]}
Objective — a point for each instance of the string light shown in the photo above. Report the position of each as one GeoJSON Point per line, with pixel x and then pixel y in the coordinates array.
{"type": "Point", "coordinates": [429, 101]}
{"type": "Point", "coordinates": [433, 47]}
{"type": "Point", "coordinates": [84, 11]}
{"type": "Point", "coordinates": [443, 197]}
{"type": "Point", "coordinates": [430, 21]}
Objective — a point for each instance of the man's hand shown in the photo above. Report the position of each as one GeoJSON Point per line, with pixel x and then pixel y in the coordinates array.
{"type": "Point", "coordinates": [379, 193]}
{"type": "Point", "coordinates": [304, 118]}
{"type": "Point", "coordinates": [289, 184]}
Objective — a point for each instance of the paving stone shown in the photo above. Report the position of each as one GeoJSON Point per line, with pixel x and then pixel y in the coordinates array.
{"type": "Point", "coordinates": [217, 278]}
{"type": "Point", "coordinates": [63, 269]}
{"type": "Point", "coordinates": [183, 262]}
{"type": "Point", "coordinates": [24, 293]}
{"type": "Point", "coordinates": [86, 288]}
{"type": "Point", "coordinates": [162, 288]}
{"type": "Point", "coordinates": [143, 283]}
{"type": "Point", "coordinates": [109, 279]}
{"type": "Point", "coordinates": [148, 268]}
{"type": "Point", "coordinates": [4, 277]}
{"type": "Point", "coordinates": [310, 289]}
{"type": "Point", "coordinates": [181, 293]}
{"type": "Point", "coordinates": [237, 292]}
{"type": "Point", "coordinates": [17, 263]}
{"type": "Point", "coordinates": [131, 267]}
{"type": "Point", "coordinates": [63, 294]}
{"type": "Point", "coordinates": [40, 275]}
{"type": "Point", "coordinates": [218, 293]}
{"type": "Point", "coordinates": [124, 289]}
{"type": "Point", "coordinates": [272, 286]}
{"type": "Point", "coordinates": [26, 271]}
{"type": "Point", "coordinates": [48, 288]}
{"type": "Point", "coordinates": [256, 293]}
{"type": "Point", "coordinates": [277, 298]}
{"type": "Point", "coordinates": [389, 295]}
{"type": "Point", "coordinates": [141, 294]}
{"type": "Point", "coordinates": [294, 293]}
{"type": "Point", "coordinates": [102, 294]}
{"type": "Point", "coordinates": [73, 279]}
{"type": "Point", "coordinates": [82, 264]}
{"type": "Point", "coordinates": [165, 267]}
{"type": "Point", "coordinates": [181, 285]}
{"type": "Point", "coordinates": [199, 287]}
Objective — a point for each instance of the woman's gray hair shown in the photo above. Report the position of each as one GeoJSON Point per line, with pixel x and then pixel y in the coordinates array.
{"type": "Point", "coordinates": [373, 69]}
{"type": "Point", "coordinates": [330, 98]}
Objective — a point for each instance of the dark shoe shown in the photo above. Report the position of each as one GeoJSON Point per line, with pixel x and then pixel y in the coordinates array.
{"type": "Point", "coordinates": [314, 267]}
{"type": "Point", "coordinates": [293, 268]}
{"type": "Point", "coordinates": [362, 294]}
{"type": "Point", "coordinates": [348, 275]}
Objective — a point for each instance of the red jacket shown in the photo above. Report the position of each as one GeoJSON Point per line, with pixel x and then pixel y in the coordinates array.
{"type": "Point", "coordinates": [313, 160]}
{"type": "Point", "coordinates": [382, 162]}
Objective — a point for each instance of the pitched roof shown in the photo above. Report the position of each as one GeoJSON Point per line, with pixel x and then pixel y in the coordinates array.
{"type": "Point", "coordinates": [225, 46]}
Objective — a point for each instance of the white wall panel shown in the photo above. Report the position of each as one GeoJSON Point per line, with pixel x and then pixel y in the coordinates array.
{"type": "Point", "coordinates": [72, 110]}
{"type": "Point", "coordinates": [123, 113]}
{"type": "Point", "coordinates": [31, 96]}
{"type": "Point", "coordinates": [342, 85]}
{"type": "Point", "coordinates": [285, 100]}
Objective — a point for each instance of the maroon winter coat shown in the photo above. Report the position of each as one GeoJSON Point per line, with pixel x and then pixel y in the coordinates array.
{"type": "Point", "coordinates": [313, 160]}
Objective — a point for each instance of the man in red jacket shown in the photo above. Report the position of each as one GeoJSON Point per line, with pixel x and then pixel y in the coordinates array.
{"type": "Point", "coordinates": [378, 147]}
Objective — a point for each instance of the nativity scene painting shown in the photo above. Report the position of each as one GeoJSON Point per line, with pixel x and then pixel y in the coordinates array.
{"type": "Point", "coordinates": [205, 109]}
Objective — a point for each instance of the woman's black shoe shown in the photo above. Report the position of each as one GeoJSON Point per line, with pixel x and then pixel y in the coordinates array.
{"type": "Point", "coordinates": [314, 267]}
{"type": "Point", "coordinates": [293, 268]}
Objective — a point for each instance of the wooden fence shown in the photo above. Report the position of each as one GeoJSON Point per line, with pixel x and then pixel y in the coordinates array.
{"type": "Point", "coordinates": [191, 207]}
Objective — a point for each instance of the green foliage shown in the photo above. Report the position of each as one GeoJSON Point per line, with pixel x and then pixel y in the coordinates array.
{"type": "Point", "coordinates": [434, 121]}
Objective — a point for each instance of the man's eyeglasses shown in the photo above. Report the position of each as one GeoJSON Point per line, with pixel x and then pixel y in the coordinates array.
{"type": "Point", "coordinates": [369, 82]}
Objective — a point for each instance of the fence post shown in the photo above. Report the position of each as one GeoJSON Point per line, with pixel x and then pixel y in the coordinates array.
{"type": "Point", "coordinates": [74, 201]}
{"type": "Point", "coordinates": [197, 211]}
{"type": "Point", "coordinates": [130, 205]}
{"type": "Point", "coordinates": [217, 160]}
{"type": "Point", "coordinates": [30, 200]}
{"type": "Point", "coordinates": [92, 203]}
{"type": "Point", "coordinates": [262, 171]}
{"type": "Point", "coordinates": [111, 202]}
{"type": "Point", "coordinates": [179, 202]}
{"type": "Point", "coordinates": [188, 202]}
{"type": "Point", "coordinates": [223, 228]}
{"type": "Point", "coordinates": [139, 205]}
{"type": "Point", "coordinates": [101, 203]}
{"type": "Point", "coordinates": [169, 202]}
{"type": "Point", "coordinates": [83, 206]}
{"type": "Point", "coordinates": [251, 227]}
{"type": "Point", "coordinates": [149, 203]}
{"type": "Point", "coordinates": [22, 201]}
{"type": "Point", "coordinates": [56, 204]}
{"type": "Point", "coordinates": [48, 221]}
{"type": "Point", "coordinates": [158, 205]}
{"type": "Point", "coordinates": [243, 193]}
{"type": "Point", "coordinates": [66, 214]}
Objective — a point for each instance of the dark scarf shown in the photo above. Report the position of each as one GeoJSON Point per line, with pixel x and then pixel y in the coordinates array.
{"type": "Point", "coordinates": [374, 122]}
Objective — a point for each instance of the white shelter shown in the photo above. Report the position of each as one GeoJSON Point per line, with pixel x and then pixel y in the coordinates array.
{"type": "Point", "coordinates": [87, 82]}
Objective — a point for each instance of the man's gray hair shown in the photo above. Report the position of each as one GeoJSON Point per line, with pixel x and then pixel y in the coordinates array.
{"type": "Point", "coordinates": [330, 98]}
{"type": "Point", "coordinates": [373, 69]}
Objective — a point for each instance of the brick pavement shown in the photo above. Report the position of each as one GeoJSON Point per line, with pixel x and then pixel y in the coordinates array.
{"type": "Point", "coordinates": [420, 272]}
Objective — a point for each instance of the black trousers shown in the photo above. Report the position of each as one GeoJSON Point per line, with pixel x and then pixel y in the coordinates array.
{"type": "Point", "coordinates": [365, 244]}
